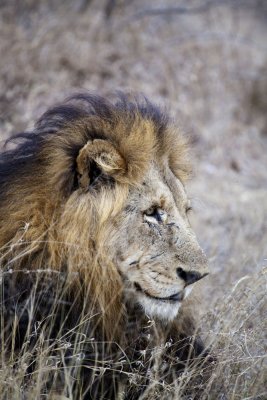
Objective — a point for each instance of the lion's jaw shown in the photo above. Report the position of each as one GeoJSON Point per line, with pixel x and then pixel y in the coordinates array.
{"type": "Point", "coordinates": [163, 310]}
{"type": "Point", "coordinates": [154, 253]}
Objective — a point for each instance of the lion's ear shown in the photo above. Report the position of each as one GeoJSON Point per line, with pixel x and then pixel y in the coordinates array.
{"type": "Point", "coordinates": [99, 158]}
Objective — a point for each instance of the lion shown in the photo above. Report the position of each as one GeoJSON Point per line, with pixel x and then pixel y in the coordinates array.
{"type": "Point", "coordinates": [96, 193]}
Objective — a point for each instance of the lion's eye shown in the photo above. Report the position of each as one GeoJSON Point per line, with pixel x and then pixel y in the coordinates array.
{"type": "Point", "coordinates": [155, 215]}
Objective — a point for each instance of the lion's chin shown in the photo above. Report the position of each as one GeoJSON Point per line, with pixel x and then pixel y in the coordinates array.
{"type": "Point", "coordinates": [163, 310]}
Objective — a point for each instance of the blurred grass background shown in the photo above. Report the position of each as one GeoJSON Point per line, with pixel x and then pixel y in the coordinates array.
{"type": "Point", "coordinates": [206, 62]}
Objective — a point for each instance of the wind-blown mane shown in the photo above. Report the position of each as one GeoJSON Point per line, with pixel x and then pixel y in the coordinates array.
{"type": "Point", "coordinates": [54, 223]}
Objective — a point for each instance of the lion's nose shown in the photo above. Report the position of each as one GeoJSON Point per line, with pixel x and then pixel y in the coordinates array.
{"type": "Point", "coordinates": [189, 276]}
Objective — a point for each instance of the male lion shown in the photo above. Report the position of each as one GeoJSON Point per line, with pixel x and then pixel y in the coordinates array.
{"type": "Point", "coordinates": [95, 194]}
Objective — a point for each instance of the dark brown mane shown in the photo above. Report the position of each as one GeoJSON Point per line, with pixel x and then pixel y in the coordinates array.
{"type": "Point", "coordinates": [18, 162]}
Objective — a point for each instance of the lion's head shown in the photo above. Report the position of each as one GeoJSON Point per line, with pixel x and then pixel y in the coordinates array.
{"type": "Point", "coordinates": [97, 190]}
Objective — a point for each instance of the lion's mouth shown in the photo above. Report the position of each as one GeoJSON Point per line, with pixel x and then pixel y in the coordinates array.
{"type": "Point", "coordinates": [176, 297]}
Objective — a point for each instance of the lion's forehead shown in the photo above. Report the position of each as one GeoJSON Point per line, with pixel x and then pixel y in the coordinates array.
{"type": "Point", "coordinates": [160, 188]}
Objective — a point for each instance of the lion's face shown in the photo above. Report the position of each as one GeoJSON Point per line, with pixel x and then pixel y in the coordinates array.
{"type": "Point", "coordinates": [154, 246]}
{"type": "Point", "coordinates": [142, 229]}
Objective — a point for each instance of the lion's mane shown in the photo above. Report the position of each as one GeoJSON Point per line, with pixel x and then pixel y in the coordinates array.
{"type": "Point", "coordinates": [38, 172]}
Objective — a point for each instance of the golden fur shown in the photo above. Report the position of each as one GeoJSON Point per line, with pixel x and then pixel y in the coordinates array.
{"type": "Point", "coordinates": [71, 193]}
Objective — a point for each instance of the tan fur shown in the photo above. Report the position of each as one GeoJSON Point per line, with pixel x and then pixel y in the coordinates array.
{"type": "Point", "coordinates": [97, 231]}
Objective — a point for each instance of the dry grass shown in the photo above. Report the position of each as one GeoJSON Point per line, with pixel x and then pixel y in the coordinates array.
{"type": "Point", "coordinates": [47, 362]}
{"type": "Point", "coordinates": [205, 67]}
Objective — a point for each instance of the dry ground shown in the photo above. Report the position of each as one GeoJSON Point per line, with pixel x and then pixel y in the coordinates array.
{"type": "Point", "coordinates": [209, 68]}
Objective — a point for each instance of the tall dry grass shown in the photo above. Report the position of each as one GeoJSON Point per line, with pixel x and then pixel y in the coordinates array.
{"type": "Point", "coordinates": [44, 354]}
